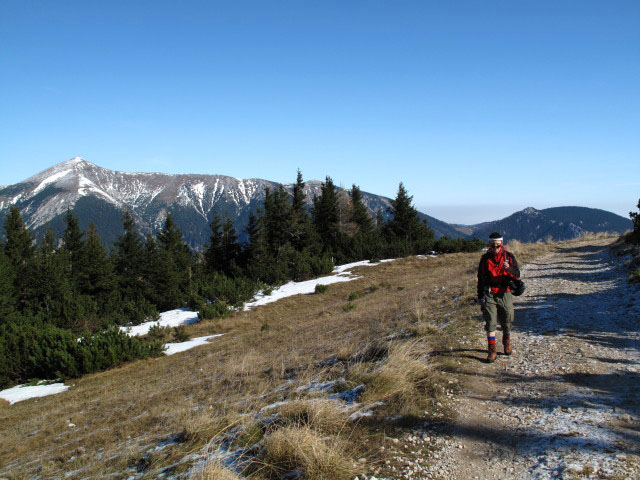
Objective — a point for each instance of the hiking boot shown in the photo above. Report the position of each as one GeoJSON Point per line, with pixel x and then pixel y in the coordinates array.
{"type": "Point", "coordinates": [506, 343]}
{"type": "Point", "coordinates": [493, 353]}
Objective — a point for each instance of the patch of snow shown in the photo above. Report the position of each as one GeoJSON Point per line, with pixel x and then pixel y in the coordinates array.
{"type": "Point", "coordinates": [274, 405]}
{"type": "Point", "coordinates": [21, 392]}
{"type": "Point", "coordinates": [49, 180]}
{"type": "Point", "coordinates": [348, 396]}
{"type": "Point", "coordinates": [341, 274]}
{"type": "Point", "coordinates": [315, 386]}
{"type": "Point", "coordinates": [172, 348]}
{"type": "Point", "coordinates": [172, 318]}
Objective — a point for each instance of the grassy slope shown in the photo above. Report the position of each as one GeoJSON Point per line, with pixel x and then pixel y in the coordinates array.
{"type": "Point", "coordinates": [120, 414]}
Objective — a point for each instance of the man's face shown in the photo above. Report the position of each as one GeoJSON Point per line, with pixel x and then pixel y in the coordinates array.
{"type": "Point", "coordinates": [495, 245]}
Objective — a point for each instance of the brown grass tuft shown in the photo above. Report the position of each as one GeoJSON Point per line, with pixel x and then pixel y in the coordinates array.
{"type": "Point", "coordinates": [295, 448]}
{"type": "Point", "coordinates": [405, 380]}
{"type": "Point", "coordinates": [214, 470]}
{"type": "Point", "coordinates": [319, 415]}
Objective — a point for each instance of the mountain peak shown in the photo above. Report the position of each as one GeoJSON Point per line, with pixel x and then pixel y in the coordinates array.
{"type": "Point", "coordinates": [530, 211]}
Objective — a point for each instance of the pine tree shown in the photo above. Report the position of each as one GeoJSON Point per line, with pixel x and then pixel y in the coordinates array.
{"type": "Point", "coordinates": [325, 216]}
{"type": "Point", "coordinates": [95, 271]}
{"type": "Point", "coordinates": [213, 251]}
{"type": "Point", "coordinates": [257, 259]}
{"type": "Point", "coordinates": [303, 235]}
{"type": "Point", "coordinates": [405, 230]}
{"type": "Point", "coordinates": [175, 264]}
{"type": "Point", "coordinates": [359, 214]}
{"type": "Point", "coordinates": [20, 252]}
{"type": "Point", "coordinates": [19, 246]}
{"type": "Point", "coordinates": [53, 292]}
{"type": "Point", "coordinates": [230, 249]}
{"type": "Point", "coordinates": [379, 219]}
{"type": "Point", "coordinates": [299, 204]}
{"type": "Point", "coordinates": [7, 299]}
{"type": "Point", "coordinates": [278, 221]}
{"type": "Point", "coordinates": [73, 242]}
{"type": "Point", "coordinates": [129, 260]}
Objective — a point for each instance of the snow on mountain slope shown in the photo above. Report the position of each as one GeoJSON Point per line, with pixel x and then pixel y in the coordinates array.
{"type": "Point", "coordinates": [50, 192]}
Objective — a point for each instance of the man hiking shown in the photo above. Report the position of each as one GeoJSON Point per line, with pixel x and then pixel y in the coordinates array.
{"type": "Point", "coordinates": [496, 271]}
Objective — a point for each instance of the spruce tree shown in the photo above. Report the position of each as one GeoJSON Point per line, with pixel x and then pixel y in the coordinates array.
{"type": "Point", "coordinates": [299, 204]}
{"type": "Point", "coordinates": [18, 246]}
{"type": "Point", "coordinates": [405, 230]}
{"type": "Point", "coordinates": [128, 260]}
{"type": "Point", "coordinates": [257, 259]}
{"type": "Point", "coordinates": [20, 252]}
{"type": "Point", "coordinates": [230, 250]}
{"type": "Point", "coordinates": [359, 213]}
{"type": "Point", "coordinates": [303, 235]}
{"type": "Point", "coordinates": [53, 291]}
{"type": "Point", "coordinates": [325, 216]}
{"type": "Point", "coordinates": [73, 242]}
{"type": "Point", "coordinates": [278, 221]}
{"type": "Point", "coordinates": [95, 271]}
{"type": "Point", "coordinates": [175, 266]}
{"type": "Point", "coordinates": [7, 299]}
{"type": "Point", "coordinates": [213, 250]}
{"type": "Point", "coordinates": [379, 219]}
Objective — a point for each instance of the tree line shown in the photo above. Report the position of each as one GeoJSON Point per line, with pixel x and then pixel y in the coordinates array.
{"type": "Point", "coordinates": [56, 290]}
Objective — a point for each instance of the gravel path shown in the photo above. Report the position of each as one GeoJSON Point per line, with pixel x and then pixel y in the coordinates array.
{"type": "Point", "coordinates": [566, 404]}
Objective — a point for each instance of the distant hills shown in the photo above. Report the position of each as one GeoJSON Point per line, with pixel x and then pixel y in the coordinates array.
{"type": "Point", "coordinates": [558, 223]}
{"type": "Point", "coordinates": [99, 195]}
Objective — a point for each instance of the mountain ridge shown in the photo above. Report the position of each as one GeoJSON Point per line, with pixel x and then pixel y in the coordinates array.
{"type": "Point", "coordinates": [99, 195]}
{"type": "Point", "coordinates": [84, 187]}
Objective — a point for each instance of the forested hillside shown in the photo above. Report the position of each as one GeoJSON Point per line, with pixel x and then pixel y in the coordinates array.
{"type": "Point", "coordinates": [60, 289]}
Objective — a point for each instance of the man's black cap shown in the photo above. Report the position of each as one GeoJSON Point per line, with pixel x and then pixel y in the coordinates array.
{"type": "Point", "coordinates": [495, 235]}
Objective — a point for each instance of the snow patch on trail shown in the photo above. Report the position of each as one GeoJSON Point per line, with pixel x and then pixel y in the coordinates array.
{"type": "Point", "coordinates": [22, 392]}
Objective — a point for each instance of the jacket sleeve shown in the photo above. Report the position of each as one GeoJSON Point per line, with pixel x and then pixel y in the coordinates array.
{"type": "Point", "coordinates": [514, 268]}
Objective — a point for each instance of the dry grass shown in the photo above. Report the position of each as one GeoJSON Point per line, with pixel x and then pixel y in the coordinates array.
{"type": "Point", "coordinates": [405, 380]}
{"type": "Point", "coordinates": [214, 470]}
{"type": "Point", "coordinates": [322, 416]}
{"type": "Point", "coordinates": [303, 449]}
{"type": "Point", "coordinates": [123, 414]}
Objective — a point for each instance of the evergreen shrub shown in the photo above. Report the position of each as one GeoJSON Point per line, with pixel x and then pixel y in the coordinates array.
{"type": "Point", "coordinates": [31, 349]}
{"type": "Point", "coordinates": [157, 332]}
{"type": "Point", "coordinates": [218, 309]}
{"type": "Point", "coordinates": [180, 333]}
{"type": "Point", "coordinates": [321, 288]}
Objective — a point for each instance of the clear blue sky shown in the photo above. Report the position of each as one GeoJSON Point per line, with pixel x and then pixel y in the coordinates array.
{"type": "Point", "coordinates": [481, 108]}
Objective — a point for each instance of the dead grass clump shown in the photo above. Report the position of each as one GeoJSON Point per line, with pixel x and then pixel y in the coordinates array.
{"type": "Point", "coordinates": [202, 425]}
{"type": "Point", "coordinates": [214, 470]}
{"type": "Point", "coordinates": [319, 415]}
{"type": "Point", "coordinates": [301, 449]}
{"type": "Point", "coordinates": [372, 351]}
{"type": "Point", "coordinates": [405, 380]}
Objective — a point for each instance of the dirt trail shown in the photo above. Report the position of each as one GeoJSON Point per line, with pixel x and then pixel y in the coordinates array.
{"type": "Point", "coordinates": [566, 403]}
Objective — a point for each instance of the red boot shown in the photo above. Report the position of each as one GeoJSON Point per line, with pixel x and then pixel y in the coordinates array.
{"type": "Point", "coordinates": [506, 343]}
{"type": "Point", "coordinates": [493, 353]}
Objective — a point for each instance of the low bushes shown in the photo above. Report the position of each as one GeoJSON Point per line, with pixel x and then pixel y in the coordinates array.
{"type": "Point", "coordinates": [42, 350]}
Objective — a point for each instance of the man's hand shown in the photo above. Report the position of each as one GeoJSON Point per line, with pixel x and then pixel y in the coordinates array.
{"type": "Point", "coordinates": [505, 265]}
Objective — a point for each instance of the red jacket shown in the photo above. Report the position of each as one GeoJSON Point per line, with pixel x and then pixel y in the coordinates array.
{"type": "Point", "coordinates": [492, 276]}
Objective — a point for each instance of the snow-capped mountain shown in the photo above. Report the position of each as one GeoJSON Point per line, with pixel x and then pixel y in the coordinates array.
{"type": "Point", "coordinates": [99, 195]}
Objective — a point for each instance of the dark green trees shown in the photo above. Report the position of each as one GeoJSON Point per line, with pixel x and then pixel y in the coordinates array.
{"type": "Point", "coordinates": [326, 217]}
{"type": "Point", "coordinates": [405, 232]}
